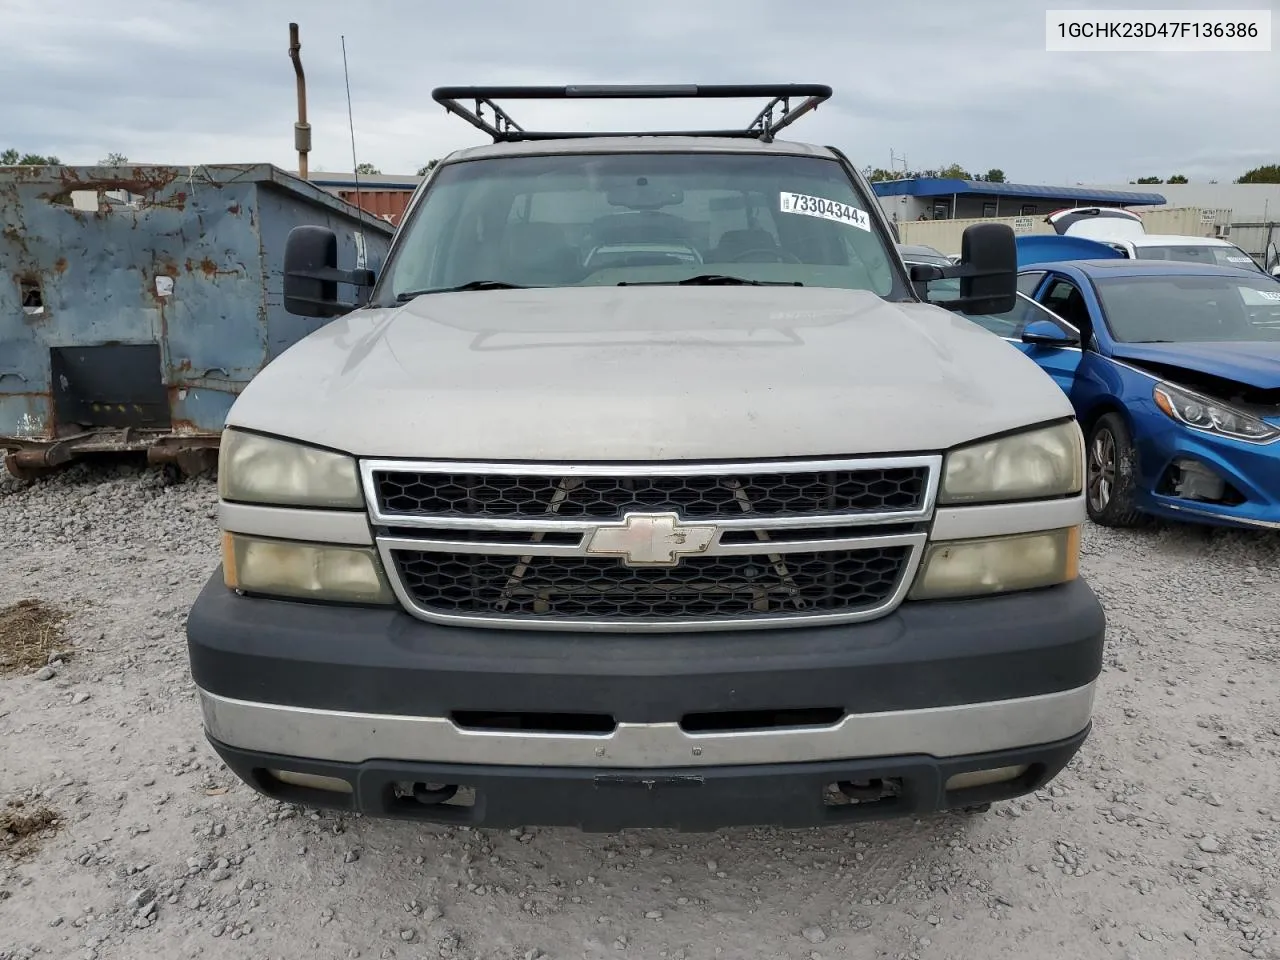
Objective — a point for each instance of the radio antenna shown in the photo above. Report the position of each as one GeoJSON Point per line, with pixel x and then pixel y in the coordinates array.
{"type": "Point", "coordinates": [355, 167]}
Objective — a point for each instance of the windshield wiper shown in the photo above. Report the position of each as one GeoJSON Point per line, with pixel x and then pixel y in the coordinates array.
{"type": "Point", "coordinates": [711, 280]}
{"type": "Point", "coordinates": [462, 287]}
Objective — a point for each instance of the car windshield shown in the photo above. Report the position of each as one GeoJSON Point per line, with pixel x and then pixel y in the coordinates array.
{"type": "Point", "coordinates": [1227, 255]}
{"type": "Point", "coordinates": [1175, 309]}
{"type": "Point", "coordinates": [566, 220]}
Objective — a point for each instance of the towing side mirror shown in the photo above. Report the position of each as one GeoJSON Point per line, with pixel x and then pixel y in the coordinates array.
{"type": "Point", "coordinates": [311, 274]}
{"type": "Point", "coordinates": [987, 271]}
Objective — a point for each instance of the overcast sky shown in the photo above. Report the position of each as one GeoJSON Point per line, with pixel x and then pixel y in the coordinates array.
{"type": "Point", "coordinates": [938, 81]}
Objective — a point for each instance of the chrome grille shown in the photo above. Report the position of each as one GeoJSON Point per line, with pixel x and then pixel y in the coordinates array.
{"type": "Point", "coordinates": [764, 544]}
{"type": "Point", "coordinates": [577, 588]}
{"type": "Point", "coordinates": [799, 493]}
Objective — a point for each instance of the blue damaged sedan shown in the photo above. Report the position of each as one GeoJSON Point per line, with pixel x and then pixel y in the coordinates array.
{"type": "Point", "coordinates": [1174, 373]}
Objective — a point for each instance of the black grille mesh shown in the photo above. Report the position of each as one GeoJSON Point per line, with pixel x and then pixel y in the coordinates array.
{"type": "Point", "coordinates": [700, 588]}
{"type": "Point", "coordinates": [608, 498]}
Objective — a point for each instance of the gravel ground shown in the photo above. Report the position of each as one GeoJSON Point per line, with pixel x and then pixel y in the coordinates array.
{"type": "Point", "coordinates": [1161, 841]}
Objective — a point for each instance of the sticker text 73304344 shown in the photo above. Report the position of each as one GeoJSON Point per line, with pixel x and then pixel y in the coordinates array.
{"type": "Point", "coordinates": [826, 209]}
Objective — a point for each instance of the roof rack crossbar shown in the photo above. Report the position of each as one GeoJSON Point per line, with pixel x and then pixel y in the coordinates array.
{"type": "Point", "coordinates": [504, 128]}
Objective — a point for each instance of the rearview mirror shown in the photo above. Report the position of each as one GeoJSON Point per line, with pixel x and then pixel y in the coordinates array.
{"type": "Point", "coordinates": [987, 271]}
{"type": "Point", "coordinates": [1046, 334]}
{"type": "Point", "coordinates": [311, 274]}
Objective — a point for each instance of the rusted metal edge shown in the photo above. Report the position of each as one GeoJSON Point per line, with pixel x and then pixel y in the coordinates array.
{"type": "Point", "coordinates": [26, 458]}
{"type": "Point", "coordinates": [69, 177]}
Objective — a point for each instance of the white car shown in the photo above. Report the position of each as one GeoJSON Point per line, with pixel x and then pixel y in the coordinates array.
{"type": "Point", "coordinates": [1124, 230]}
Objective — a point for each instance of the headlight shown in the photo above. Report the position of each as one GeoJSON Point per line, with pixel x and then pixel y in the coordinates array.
{"type": "Point", "coordinates": [305, 571]}
{"type": "Point", "coordinates": [970, 568]}
{"type": "Point", "coordinates": [1212, 416]}
{"type": "Point", "coordinates": [1038, 464]}
{"type": "Point", "coordinates": [255, 469]}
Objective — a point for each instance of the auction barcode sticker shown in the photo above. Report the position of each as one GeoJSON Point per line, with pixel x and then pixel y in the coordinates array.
{"type": "Point", "coordinates": [826, 209]}
{"type": "Point", "coordinates": [1151, 31]}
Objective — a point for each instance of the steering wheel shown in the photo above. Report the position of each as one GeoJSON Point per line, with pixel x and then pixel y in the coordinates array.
{"type": "Point", "coordinates": [782, 256]}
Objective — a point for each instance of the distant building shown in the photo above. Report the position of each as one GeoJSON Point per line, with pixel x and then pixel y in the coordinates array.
{"type": "Point", "coordinates": [1248, 202]}
{"type": "Point", "coordinates": [939, 198]}
{"type": "Point", "coordinates": [383, 195]}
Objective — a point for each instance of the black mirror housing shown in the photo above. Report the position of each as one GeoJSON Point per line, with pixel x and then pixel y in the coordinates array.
{"type": "Point", "coordinates": [987, 271]}
{"type": "Point", "coordinates": [989, 251]}
{"type": "Point", "coordinates": [311, 274]}
{"type": "Point", "coordinates": [1043, 333]}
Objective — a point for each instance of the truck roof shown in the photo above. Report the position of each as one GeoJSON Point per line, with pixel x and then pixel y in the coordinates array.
{"type": "Point", "coordinates": [640, 143]}
{"type": "Point", "coordinates": [759, 135]}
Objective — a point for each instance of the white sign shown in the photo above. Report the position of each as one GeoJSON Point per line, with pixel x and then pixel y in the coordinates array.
{"type": "Point", "coordinates": [824, 209]}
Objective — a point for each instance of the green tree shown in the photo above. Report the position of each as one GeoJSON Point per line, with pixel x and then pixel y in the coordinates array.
{"type": "Point", "coordinates": [1150, 180]}
{"type": "Point", "coordinates": [954, 171]}
{"type": "Point", "coordinates": [1177, 178]}
{"type": "Point", "coordinates": [368, 169]}
{"type": "Point", "coordinates": [113, 160]}
{"type": "Point", "coordinates": [994, 175]}
{"type": "Point", "coordinates": [1267, 174]}
{"type": "Point", "coordinates": [11, 158]}
{"type": "Point", "coordinates": [879, 173]}
{"type": "Point", "coordinates": [427, 167]}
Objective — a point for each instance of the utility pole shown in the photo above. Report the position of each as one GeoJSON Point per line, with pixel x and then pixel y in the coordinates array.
{"type": "Point", "coordinates": [301, 129]}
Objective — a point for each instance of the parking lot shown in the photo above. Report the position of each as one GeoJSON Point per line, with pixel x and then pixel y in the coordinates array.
{"type": "Point", "coordinates": [1161, 840]}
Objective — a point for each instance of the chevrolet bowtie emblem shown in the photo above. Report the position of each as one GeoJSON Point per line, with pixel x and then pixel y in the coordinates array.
{"type": "Point", "coordinates": [650, 540]}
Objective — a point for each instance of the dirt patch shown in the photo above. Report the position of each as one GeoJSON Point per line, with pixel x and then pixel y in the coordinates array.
{"type": "Point", "coordinates": [22, 827]}
{"type": "Point", "coordinates": [30, 630]}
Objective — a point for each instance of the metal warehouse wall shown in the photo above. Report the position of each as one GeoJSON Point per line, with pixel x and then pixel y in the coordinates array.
{"type": "Point", "coordinates": [388, 205]}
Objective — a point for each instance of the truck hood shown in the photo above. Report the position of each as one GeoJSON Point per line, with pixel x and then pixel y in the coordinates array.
{"type": "Point", "coordinates": [1250, 363]}
{"type": "Point", "coordinates": [607, 373]}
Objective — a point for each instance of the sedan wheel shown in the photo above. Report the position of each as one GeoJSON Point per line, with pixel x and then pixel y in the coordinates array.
{"type": "Point", "coordinates": [1111, 474]}
{"type": "Point", "coordinates": [1102, 469]}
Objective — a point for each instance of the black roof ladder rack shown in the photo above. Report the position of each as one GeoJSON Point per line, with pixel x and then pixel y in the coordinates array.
{"type": "Point", "coordinates": [504, 129]}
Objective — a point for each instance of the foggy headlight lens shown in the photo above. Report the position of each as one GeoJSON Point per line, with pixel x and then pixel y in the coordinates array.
{"type": "Point", "coordinates": [1037, 464]}
{"type": "Point", "coordinates": [1212, 416]}
{"type": "Point", "coordinates": [971, 568]}
{"type": "Point", "coordinates": [254, 469]}
{"type": "Point", "coordinates": [304, 571]}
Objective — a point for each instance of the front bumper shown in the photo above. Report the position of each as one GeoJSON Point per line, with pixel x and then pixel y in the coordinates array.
{"type": "Point", "coordinates": [1250, 470]}
{"type": "Point", "coordinates": [550, 728]}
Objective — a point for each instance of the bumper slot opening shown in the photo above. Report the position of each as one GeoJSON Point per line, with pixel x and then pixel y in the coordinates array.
{"type": "Point", "coordinates": [438, 802]}
{"type": "Point", "coordinates": [1192, 480]}
{"type": "Point", "coordinates": [975, 787]}
{"type": "Point", "coordinates": [876, 793]}
{"type": "Point", "coordinates": [742, 721]}
{"type": "Point", "coordinates": [494, 721]}
{"type": "Point", "coordinates": [304, 788]}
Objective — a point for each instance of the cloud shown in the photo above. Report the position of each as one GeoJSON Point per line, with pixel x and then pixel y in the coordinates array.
{"type": "Point", "coordinates": [185, 82]}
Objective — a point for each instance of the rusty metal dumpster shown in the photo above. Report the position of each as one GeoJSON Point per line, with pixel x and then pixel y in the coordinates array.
{"type": "Point", "coordinates": [136, 302]}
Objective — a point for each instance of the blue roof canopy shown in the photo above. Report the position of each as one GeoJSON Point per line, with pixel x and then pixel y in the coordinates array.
{"type": "Point", "coordinates": [945, 187]}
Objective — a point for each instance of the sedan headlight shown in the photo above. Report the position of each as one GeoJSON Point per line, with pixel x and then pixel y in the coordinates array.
{"type": "Point", "coordinates": [1211, 416]}
{"type": "Point", "coordinates": [1037, 464]}
{"type": "Point", "coordinates": [1024, 561]}
{"type": "Point", "coordinates": [257, 469]}
{"type": "Point", "coordinates": [305, 571]}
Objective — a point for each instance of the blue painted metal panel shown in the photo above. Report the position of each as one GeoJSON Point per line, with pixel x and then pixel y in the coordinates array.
{"type": "Point", "coordinates": [187, 258]}
{"type": "Point", "coordinates": [1046, 248]}
{"type": "Point", "coordinates": [944, 187]}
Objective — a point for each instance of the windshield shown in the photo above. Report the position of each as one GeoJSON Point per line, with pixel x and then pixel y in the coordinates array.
{"type": "Point", "coordinates": [1190, 308]}
{"type": "Point", "coordinates": [603, 219]}
{"type": "Point", "coordinates": [1227, 255]}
